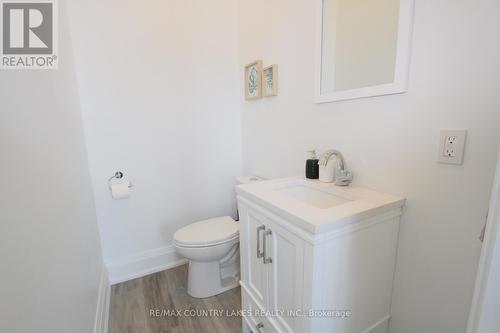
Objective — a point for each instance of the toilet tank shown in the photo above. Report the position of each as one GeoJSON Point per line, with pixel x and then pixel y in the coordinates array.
{"type": "Point", "coordinates": [247, 179]}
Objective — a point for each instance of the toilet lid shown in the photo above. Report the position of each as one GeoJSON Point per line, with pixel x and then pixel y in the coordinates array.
{"type": "Point", "coordinates": [208, 232]}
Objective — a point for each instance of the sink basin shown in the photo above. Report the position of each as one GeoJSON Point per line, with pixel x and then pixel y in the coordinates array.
{"type": "Point", "coordinates": [313, 196]}
{"type": "Point", "coordinates": [318, 207]}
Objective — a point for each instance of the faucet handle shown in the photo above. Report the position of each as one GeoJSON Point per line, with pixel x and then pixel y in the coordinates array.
{"type": "Point", "coordinates": [343, 178]}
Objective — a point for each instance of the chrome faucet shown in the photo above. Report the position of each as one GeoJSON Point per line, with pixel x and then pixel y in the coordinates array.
{"type": "Point", "coordinates": [343, 177]}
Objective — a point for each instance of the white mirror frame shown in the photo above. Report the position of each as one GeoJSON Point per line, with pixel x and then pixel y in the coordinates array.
{"type": "Point", "coordinates": [400, 84]}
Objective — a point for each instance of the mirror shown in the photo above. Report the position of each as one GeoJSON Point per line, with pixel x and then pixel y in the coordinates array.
{"type": "Point", "coordinates": [363, 48]}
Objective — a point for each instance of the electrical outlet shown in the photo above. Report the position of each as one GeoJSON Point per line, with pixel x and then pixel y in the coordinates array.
{"type": "Point", "coordinates": [452, 146]}
{"type": "Point", "coordinates": [449, 145]}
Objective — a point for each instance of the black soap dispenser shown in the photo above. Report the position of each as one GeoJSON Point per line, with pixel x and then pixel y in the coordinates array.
{"type": "Point", "coordinates": [312, 167]}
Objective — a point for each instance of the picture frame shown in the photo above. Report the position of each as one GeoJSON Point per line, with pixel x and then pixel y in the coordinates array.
{"type": "Point", "coordinates": [253, 80]}
{"type": "Point", "coordinates": [270, 80]}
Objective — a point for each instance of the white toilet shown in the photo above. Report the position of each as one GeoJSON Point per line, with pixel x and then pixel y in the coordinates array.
{"type": "Point", "coordinates": [212, 248]}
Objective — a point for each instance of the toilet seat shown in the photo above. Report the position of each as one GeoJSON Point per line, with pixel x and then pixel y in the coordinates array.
{"type": "Point", "coordinates": [208, 233]}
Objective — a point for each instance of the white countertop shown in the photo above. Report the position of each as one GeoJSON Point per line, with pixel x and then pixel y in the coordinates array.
{"type": "Point", "coordinates": [318, 207]}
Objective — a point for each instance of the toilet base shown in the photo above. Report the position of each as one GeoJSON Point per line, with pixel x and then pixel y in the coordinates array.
{"type": "Point", "coordinates": [204, 279]}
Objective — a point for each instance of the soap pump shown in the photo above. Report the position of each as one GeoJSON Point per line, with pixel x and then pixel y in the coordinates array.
{"type": "Point", "coordinates": [312, 167]}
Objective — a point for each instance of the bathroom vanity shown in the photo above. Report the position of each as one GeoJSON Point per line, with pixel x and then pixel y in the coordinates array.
{"type": "Point", "coordinates": [316, 257]}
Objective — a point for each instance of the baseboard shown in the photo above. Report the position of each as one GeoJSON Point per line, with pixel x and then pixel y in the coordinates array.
{"type": "Point", "coordinates": [143, 264]}
{"type": "Point", "coordinates": [102, 309]}
{"type": "Point", "coordinates": [381, 326]}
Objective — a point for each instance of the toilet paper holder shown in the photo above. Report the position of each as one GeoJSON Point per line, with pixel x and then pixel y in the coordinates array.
{"type": "Point", "coordinates": [118, 175]}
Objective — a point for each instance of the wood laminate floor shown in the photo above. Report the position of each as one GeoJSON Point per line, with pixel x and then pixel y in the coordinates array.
{"type": "Point", "coordinates": [132, 303]}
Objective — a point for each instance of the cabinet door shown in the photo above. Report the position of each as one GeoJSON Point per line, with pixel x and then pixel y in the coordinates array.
{"type": "Point", "coordinates": [275, 279]}
{"type": "Point", "coordinates": [285, 275]}
{"type": "Point", "coordinates": [254, 275]}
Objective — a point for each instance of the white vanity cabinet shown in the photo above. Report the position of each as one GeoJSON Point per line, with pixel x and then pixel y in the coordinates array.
{"type": "Point", "coordinates": [272, 266]}
{"type": "Point", "coordinates": [315, 257]}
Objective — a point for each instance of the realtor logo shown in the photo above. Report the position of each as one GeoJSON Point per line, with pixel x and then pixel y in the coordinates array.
{"type": "Point", "coordinates": [29, 34]}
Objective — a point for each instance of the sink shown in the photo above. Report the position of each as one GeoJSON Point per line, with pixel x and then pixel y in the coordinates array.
{"type": "Point", "coordinates": [313, 196]}
{"type": "Point", "coordinates": [318, 207]}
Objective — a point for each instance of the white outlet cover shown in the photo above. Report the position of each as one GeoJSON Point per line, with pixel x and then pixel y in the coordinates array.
{"type": "Point", "coordinates": [452, 146]}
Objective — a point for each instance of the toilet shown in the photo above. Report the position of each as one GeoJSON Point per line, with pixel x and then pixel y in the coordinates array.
{"type": "Point", "coordinates": [212, 248]}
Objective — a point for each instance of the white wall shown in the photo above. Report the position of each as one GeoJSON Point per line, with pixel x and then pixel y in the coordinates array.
{"type": "Point", "coordinates": [160, 103]}
{"type": "Point", "coordinates": [391, 142]}
{"type": "Point", "coordinates": [51, 257]}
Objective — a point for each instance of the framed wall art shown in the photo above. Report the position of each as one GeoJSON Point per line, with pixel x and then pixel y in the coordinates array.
{"type": "Point", "coordinates": [270, 80]}
{"type": "Point", "coordinates": [253, 80]}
